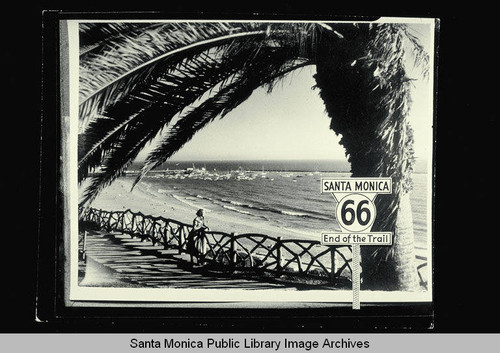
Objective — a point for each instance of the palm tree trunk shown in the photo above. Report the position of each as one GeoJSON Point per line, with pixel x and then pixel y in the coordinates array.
{"type": "Point", "coordinates": [404, 247]}
{"type": "Point", "coordinates": [396, 269]}
{"type": "Point", "coordinates": [359, 109]}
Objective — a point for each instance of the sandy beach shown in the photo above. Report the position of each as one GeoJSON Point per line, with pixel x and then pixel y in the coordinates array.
{"type": "Point", "coordinates": [118, 197]}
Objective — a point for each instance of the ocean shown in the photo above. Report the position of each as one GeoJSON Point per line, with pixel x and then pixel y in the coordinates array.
{"type": "Point", "coordinates": [282, 194]}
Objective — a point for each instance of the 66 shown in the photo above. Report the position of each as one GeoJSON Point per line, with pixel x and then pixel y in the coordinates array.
{"type": "Point", "coordinates": [356, 212]}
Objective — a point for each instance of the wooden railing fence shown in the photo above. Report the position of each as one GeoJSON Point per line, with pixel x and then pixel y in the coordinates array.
{"type": "Point", "coordinates": [231, 252]}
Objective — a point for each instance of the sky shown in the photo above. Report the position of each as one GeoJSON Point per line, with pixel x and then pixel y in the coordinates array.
{"type": "Point", "coordinates": [291, 123]}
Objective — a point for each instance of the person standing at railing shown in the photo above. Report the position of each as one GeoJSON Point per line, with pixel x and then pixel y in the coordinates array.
{"type": "Point", "coordinates": [197, 235]}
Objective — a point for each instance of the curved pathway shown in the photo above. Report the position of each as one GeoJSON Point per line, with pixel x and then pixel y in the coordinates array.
{"type": "Point", "coordinates": [117, 260]}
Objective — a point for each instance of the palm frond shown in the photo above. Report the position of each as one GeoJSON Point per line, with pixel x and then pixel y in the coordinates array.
{"type": "Point", "coordinates": [121, 153]}
{"type": "Point", "coordinates": [110, 76]}
{"type": "Point", "coordinates": [421, 57]}
{"type": "Point", "coordinates": [96, 37]}
{"type": "Point", "coordinates": [169, 94]}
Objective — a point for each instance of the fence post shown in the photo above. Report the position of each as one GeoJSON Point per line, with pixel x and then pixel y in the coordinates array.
{"type": "Point", "coordinates": [279, 257]}
{"type": "Point", "coordinates": [332, 270]}
{"type": "Point", "coordinates": [99, 217]}
{"type": "Point", "coordinates": [108, 225]}
{"type": "Point", "coordinates": [142, 229]}
{"type": "Point", "coordinates": [232, 254]}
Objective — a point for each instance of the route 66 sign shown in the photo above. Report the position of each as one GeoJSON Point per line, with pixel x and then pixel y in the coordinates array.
{"type": "Point", "coordinates": [356, 214]}
{"type": "Point", "coordinates": [356, 210]}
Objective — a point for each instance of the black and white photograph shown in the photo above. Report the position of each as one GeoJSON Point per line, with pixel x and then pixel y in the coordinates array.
{"type": "Point", "coordinates": [248, 162]}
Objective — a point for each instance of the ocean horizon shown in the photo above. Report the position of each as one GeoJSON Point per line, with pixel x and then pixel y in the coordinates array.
{"type": "Point", "coordinates": [286, 165]}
